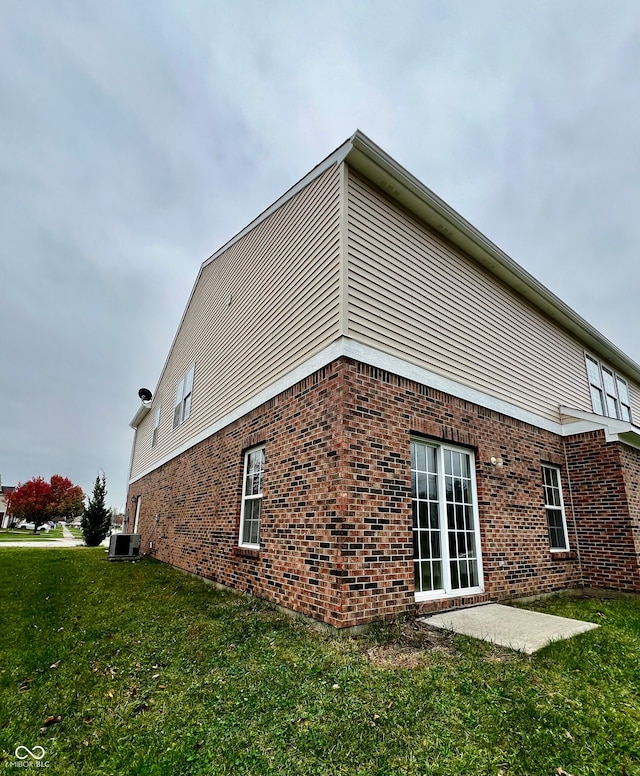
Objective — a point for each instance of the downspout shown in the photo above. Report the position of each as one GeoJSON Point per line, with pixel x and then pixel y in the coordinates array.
{"type": "Point", "coordinates": [125, 523]}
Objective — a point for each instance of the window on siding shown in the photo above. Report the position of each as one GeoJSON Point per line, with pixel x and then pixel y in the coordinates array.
{"type": "Point", "coordinates": [554, 507]}
{"type": "Point", "coordinates": [156, 425]}
{"type": "Point", "coordinates": [446, 540]}
{"type": "Point", "coordinates": [625, 401]}
{"type": "Point", "coordinates": [595, 385]}
{"type": "Point", "coordinates": [252, 498]}
{"type": "Point", "coordinates": [609, 392]}
{"type": "Point", "coordinates": [182, 406]}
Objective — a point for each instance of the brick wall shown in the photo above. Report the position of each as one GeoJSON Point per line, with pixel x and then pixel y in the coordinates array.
{"type": "Point", "coordinates": [190, 511]}
{"type": "Point", "coordinates": [630, 460]}
{"type": "Point", "coordinates": [382, 412]}
{"type": "Point", "coordinates": [336, 541]}
{"type": "Point", "coordinates": [608, 550]}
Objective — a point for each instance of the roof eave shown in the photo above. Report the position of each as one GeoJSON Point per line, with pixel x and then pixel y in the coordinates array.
{"type": "Point", "coordinates": [378, 167]}
{"type": "Point", "coordinates": [142, 412]}
{"type": "Point", "coordinates": [335, 157]}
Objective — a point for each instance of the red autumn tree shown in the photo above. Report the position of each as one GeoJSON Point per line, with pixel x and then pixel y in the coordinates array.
{"type": "Point", "coordinates": [31, 501]}
{"type": "Point", "coordinates": [38, 500]}
{"type": "Point", "coordinates": [67, 499]}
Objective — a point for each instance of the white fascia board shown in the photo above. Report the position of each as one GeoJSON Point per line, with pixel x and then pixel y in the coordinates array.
{"type": "Point", "coordinates": [142, 412]}
{"type": "Point", "coordinates": [579, 422]}
{"type": "Point", "coordinates": [344, 346]}
{"type": "Point", "coordinates": [378, 167]}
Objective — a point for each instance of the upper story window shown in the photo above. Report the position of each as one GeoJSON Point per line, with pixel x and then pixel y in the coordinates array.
{"type": "Point", "coordinates": [182, 406]}
{"type": "Point", "coordinates": [156, 426]}
{"type": "Point", "coordinates": [609, 392]}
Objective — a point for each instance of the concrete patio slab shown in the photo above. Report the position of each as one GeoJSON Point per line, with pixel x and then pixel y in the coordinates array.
{"type": "Point", "coordinates": [507, 626]}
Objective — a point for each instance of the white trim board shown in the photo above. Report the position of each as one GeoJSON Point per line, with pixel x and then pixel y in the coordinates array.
{"type": "Point", "coordinates": [345, 346]}
{"type": "Point", "coordinates": [374, 357]}
{"type": "Point", "coordinates": [579, 422]}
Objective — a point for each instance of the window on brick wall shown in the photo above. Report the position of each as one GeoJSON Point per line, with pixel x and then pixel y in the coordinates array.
{"type": "Point", "coordinates": [554, 507]}
{"type": "Point", "coordinates": [446, 539]}
{"type": "Point", "coordinates": [609, 392]}
{"type": "Point", "coordinates": [182, 405]}
{"type": "Point", "coordinates": [252, 498]}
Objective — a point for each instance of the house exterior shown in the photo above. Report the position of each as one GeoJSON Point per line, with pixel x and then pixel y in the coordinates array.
{"type": "Point", "coordinates": [5, 516]}
{"type": "Point", "coordinates": [369, 409]}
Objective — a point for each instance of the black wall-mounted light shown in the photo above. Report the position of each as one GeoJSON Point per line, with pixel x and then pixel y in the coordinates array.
{"type": "Point", "coordinates": [145, 395]}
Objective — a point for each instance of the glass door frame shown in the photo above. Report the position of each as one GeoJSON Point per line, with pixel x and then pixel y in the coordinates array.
{"type": "Point", "coordinates": [446, 591]}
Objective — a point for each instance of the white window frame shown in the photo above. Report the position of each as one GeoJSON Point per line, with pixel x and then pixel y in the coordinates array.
{"type": "Point", "coordinates": [249, 500]}
{"type": "Point", "coordinates": [156, 425]}
{"type": "Point", "coordinates": [446, 591]}
{"type": "Point", "coordinates": [609, 391]}
{"type": "Point", "coordinates": [554, 505]}
{"type": "Point", "coordinates": [182, 404]}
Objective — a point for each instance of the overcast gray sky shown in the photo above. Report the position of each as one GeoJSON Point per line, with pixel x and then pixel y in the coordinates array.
{"type": "Point", "coordinates": [137, 137]}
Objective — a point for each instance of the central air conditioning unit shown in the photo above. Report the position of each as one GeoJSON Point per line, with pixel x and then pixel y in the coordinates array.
{"type": "Point", "coordinates": [124, 547]}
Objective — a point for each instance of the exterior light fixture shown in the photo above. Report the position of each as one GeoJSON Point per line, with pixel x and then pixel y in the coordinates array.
{"type": "Point", "coordinates": [145, 395]}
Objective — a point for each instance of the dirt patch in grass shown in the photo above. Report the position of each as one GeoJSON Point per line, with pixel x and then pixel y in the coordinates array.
{"type": "Point", "coordinates": [410, 645]}
{"type": "Point", "coordinates": [196, 631]}
{"type": "Point", "coordinates": [395, 656]}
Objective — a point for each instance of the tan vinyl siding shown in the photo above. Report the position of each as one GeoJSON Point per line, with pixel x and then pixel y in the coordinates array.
{"type": "Point", "coordinates": [634, 395]}
{"type": "Point", "coordinates": [419, 298]}
{"type": "Point", "coordinates": [257, 311]}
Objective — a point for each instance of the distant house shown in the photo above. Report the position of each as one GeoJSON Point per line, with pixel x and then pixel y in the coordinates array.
{"type": "Point", "coordinates": [5, 517]}
{"type": "Point", "coordinates": [368, 409]}
{"type": "Point", "coordinates": [117, 520]}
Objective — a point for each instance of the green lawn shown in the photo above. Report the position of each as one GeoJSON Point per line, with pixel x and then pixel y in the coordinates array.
{"type": "Point", "coordinates": [20, 535]}
{"type": "Point", "coordinates": [158, 673]}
